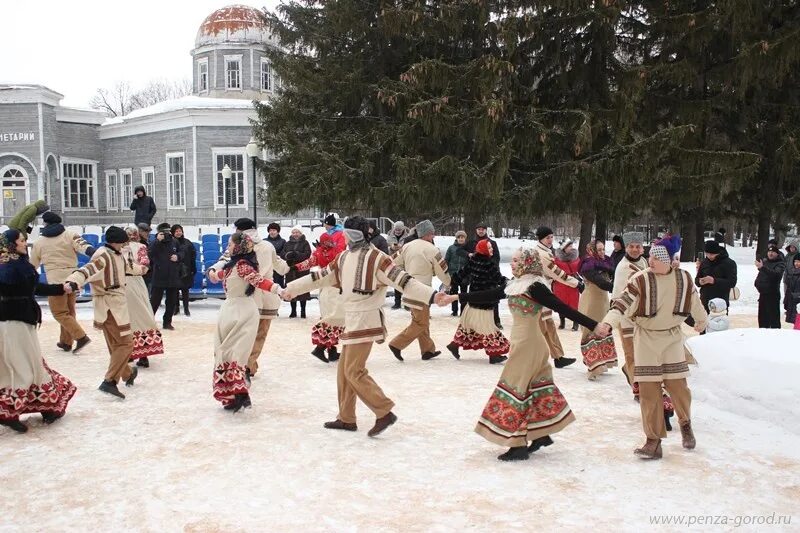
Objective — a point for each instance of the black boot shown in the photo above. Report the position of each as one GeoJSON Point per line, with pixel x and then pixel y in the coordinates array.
{"type": "Point", "coordinates": [495, 359]}
{"type": "Point", "coordinates": [453, 347]}
{"type": "Point", "coordinates": [574, 326]}
{"type": "Point", "coordinates": [541, 442]}
{"type": "Point", "coordinates": [562, 361]}
{"type": "Point", "coordinates": [14, 424]}
{"type": "Point", "coordinates": [132, 377]}
{"type": "Point", "coordinates": [562, 323]}
{"type": "Point", "coordinates": [80, 344]}
{"type": "Point", "coordinates": [65, 347]}
{"type": "Point", "coordinates": [109, 387]}
{"type": "Point", "coordinates": [248, 377]}
{"type": "Point", "coordinates": [397, 353]}
{"type": "Point", "coordinates": [143, 362]}
{"type": "Point", "coordinates": [293, 314]}
{"type": "Point", "coordinates": [517, 453]}
{"type": "Point", "coordinates": [430, 355]}
{"type": "Point", "coordinates": [319, 353]}
{"type": "Point", "coordinates": [186, 310]}
{"type": "Point", "coordinates": [303, 309]}
{"type": "Point", "coordinates": [49, 417]}
{"type": "Point", "coordinates": [333, 354]}
{"type": "Point", "coordinates": [239, 401]}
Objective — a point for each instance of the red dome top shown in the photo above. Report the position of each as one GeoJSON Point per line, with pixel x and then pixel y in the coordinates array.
{"type": "Point", "coordinates": [236, 23]}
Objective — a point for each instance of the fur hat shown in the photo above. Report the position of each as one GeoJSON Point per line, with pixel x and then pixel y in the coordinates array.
{"type": "Point", "coordinates": [425, 228]}
{"type": "Point", "coordinates": [633, 237]}
{"type": "Point", "coordinates": [482, 248]}
{"type": "Point", "coordinates": [461, 233]}
{"type": "Point", "coordinates": [329, 220]}
{"type": "Point", "coordinates": [399, 225]}
{"type": "Point", "coordinates": [542, 232]}
{"type": "Point", "coordinates": [358, 223]}
{"type": "Point", "coordinates": [116, 235]}
{"type": "Point", "coordinates": [275, 226]}
{"type": "Point", "coordinates": [712, 247]}
{"type": "Point", "coordinates": [568, 242]}
{"type": "Point", "coordinates": [244, 224]}
{"type": "Point", "coordinates": [51, 218]}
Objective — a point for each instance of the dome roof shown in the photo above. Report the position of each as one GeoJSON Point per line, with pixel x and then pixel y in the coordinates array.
{"type": "Point", "coordinates": [233, 24]}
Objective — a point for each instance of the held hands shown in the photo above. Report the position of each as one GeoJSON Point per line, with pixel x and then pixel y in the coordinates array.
{"type": "Point", "coordinates": [603, 329]}
{"type": "Point", "coordinates": [699, 328]}
{"type": "Point", "coordinates": [67, 288]}
{"type": "Point", "coordinates": [286, 295]}
{"type": "Point", "coordinates": [212, 275]}
{"type": "Point", "coordinates": [441, 299]}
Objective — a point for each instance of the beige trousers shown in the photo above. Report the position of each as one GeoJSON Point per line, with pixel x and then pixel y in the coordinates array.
{"type": "Point", "coordinates": [258, 345]}
{"type": "Point", "coordinates": [353, 380]}
{"type": "Point", "coordinates": [119, 350]}
{"type": "Point", "coordinates": [419, 329]}
{"type": "Point", "coordinates": [652, 405]}
{"type": "Point", "coordinates": [550, 333]}
{"type": "Point", "coordinates": [63, 309]}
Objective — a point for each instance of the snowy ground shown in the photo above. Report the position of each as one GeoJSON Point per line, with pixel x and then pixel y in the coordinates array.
{"type": "Point", "coordinates": [170, 459]}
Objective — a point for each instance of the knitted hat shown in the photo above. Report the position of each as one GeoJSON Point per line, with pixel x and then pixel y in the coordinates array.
{"type": "Point", "coordinates": [542, 232]}
{"type": "Point", "coordinates": [712, 247]}
{"type": "Point", "coordinates": [329, 220]}
{"type": "Point", "coordinates": [244, 224]}
{"type": "Point", "coordinates": [633, 237]}
{"type": "Point", "coordinates": [425, 228]}
{"type": "Point", "coordinates": [115, 235]}
{"type": "Point", "coordinates": [298, 228]}
{"type": "Point", "coordinates": [357, 223]}
{"type": "Point", "coordinates": [164, 226]}
{"type": "Point", "coordinates": [399, 225]}
{"type": "Point", "coordinates": [773, 248]}
{"type": "Point", "coordinates": [665, 249]}
{"type": "Point", "coordinates": [482, 248]}
{"type": "Point", "coordinates": [51, 218]}
{"type": "Point", "coordinates": [461, 233]}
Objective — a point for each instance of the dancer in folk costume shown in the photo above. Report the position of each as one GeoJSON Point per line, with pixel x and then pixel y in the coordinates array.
{"type": "Point", "coordinates": [657, 300]}
{"type": "Point", "coordinates": [27, 384]}
{"type": "Point", "coordinates": [57, 250]}
{"type": "Point", "coordinates": [325, 333]}
{"type": "Point", "coordinates": [268, 303]}
{"type": "Point", "coordinates": [107, 273]}
{"type": "Point", "coordinates": [362, 272]}
{"type": "Point", "coordinates": [566, 258]}
{"type": "Point", "coordinates": [552, 273]}
{"type": "Point", "coordinates": [526, 405]}
{"type": "Point", "coordinates": [147, 338]}
{"type": "Point", "coordinates": [476, 327]}
{"type": "Point", "coordinates": [598, 271]}
{"type": "Point", "coordinates": [237, 325]}
{"type": "Point", "coordinates": [422, 260]}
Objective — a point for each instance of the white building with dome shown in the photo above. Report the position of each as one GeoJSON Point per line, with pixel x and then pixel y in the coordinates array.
{"type": "Point", "coordinates": [86, 165]}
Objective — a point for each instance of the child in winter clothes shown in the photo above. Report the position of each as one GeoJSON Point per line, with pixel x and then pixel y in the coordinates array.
{"type": "Point", "coordinates": [717, 316]}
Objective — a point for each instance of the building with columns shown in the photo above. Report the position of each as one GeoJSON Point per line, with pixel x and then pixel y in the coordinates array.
{"type": "Point", "coordinates": [86, 165]}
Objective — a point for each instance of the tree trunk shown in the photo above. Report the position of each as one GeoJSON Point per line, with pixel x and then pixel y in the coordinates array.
{"type": "Point", "coordinates": [601, 228]}
{"type": "Point", "coordinates": [780, 228]}
{"type": "Point", "coordinates": [764, 220]}
{"type": "Point", "coordinates": [471, 220]}
{"type": "Point", "coordinates": [689, 247]}
{"type": "Point", "coordinates": [699, 230]}
{"type": "Point", "coordinates": [587, 221]}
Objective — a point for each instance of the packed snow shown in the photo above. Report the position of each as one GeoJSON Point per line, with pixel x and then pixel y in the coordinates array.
{"type": "Point", "coordinates": [168, 458]}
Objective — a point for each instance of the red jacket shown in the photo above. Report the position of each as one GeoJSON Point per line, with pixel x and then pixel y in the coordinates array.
{"type": "Point", "coordinates": [567, 294]}
{"type": "Point", "coordinates": [322, 255]}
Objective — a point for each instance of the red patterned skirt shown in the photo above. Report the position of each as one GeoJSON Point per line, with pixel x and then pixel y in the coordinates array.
{"type": "Point", "coordinates": [324, 334]}
{"type": "Point", "coordinates": [147, 344]}
{"type": "Point", "coordinates": [477, 331]}
{"type": "Point", "coordinates": [599, 354]}
{"type": "Point", "coordinates": [229, 381]}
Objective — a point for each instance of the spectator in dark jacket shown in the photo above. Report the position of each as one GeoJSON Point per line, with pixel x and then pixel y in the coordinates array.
{"type": "Point", "coordinates": [768, 284]}
{"type": "Point", "coordinates": [187, 268]}
{"type": "Point", "coordinates": [456, 258]}
{"type": "Point", "coordinates": [716, 274]}
{"type": "Point", "coordinates": [376, 239]}
{"type": "Point", "coordinates": [164, 262]}
{"type": "Point", "coordinates": [143, 206]}
{"type": "Point", "coordinates": [296, 250]}
{"type": "Point", "coordinates": [619, 250]}
{"type": "Point", "coordinates": [278, 242]}
{"type": "Point", "coordinates": [480, 235]}
{"type": "Point", "coordinates": [792, 298]}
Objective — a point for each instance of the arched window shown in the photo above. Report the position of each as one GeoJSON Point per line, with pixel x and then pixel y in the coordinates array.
{"type": "Point", "coordinates": [14, 176]}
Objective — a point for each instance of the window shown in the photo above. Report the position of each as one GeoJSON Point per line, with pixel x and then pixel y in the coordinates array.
{"type": "Point", "coordinates": [149, 181]}
{"type": "Point", "coordinates": [112, 191]}
{"type": "Point", "coordinates": [176, 181]}
{"type": "Point", "coordinates": [126, 186]}
{"type": "Point", "coordinates": [14, 177]}
{"type": "Point", "coordinates": [79, 184]}
{"type": "Point", "coordinates": [233, 72]}
{"type": "Point", "coordinates": [266, 75]}
{"type": "Point", "coordinates": [202, 75]}
{"type": "Point", "coordinates": [235, 188]}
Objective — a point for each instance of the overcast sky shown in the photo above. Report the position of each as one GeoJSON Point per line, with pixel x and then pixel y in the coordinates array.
{"type": "Point", "coordinates": [74, 47]}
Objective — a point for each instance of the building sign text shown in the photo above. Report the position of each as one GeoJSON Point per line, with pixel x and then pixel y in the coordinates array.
{"type": "Point", "coordinates": [18, 136]}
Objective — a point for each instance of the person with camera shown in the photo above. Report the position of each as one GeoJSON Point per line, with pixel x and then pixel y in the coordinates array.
{"type": "Point", "coordinates": [716, 274]}
{"type": "Point", "coordinates": [165, 258]}
{"type": "Point", "coordinates": [768, 284]}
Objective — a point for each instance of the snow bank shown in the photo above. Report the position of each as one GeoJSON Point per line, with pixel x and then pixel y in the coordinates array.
{"type": "Point", "coordinates": [185, 102]}
{"type": "Point", "coordinates": [749, 372]}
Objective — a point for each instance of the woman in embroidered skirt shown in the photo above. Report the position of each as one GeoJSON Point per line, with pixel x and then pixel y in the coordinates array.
{"type": "Point", "coordinates": [27, 384]}
{"type": "Point", "coordinates": [325, 333]}
{"type": "Point", "coordinates": [476, 328]}
{"type": "Point", "coordinates": [526, 405]}
{"type": "Point", "coordinates": [147, 339]}
{"type": "Point", "coordinates": [238, 322]}
{"type": "Point", "coordinates": [598, 270]}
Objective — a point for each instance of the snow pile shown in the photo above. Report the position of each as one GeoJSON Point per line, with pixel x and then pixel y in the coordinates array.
{"type": "Point", "coordinates": [749, 372]}
{"type": "Point", "coordinates": [185, 102]}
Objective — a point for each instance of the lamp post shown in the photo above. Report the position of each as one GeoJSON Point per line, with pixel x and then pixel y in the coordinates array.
{"type": "Point", "coordinates": [226, 180]}
{"type": "Point", "coordinates": [252, 151]}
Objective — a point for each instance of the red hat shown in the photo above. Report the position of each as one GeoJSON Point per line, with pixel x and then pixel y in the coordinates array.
{"type": "Point", "coordinates": [482, 247]}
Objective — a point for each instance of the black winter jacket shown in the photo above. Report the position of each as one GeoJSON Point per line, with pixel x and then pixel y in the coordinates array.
{"type": "Point", "coordinates": [770, 275]}
{"type": "Point", "coordinates": [379, 242]}
{"type": "Point", "coordinates": [19, 282]}
{"type": "Point", "coordinates": [188, 255]}
{"type": "Point", "coordinates": [144, 208]}
{"type": "Point", "coordinates": [723, 270]}
{"type": "Point", "coordinates": [278, 243]}
{"type": "Point", "coordinates": [480, 273]}
{"type": "Point", "coordinates": [165, 272]}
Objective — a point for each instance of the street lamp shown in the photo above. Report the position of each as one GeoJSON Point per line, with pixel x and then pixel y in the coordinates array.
{"type": "Point", "coordinates": [252, 150]}
{"type": "Point", "coordinates": [226, 180]}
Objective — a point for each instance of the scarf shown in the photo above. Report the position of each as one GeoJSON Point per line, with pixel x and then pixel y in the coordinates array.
{"type": "Point", "coordinates": [528, 272]}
